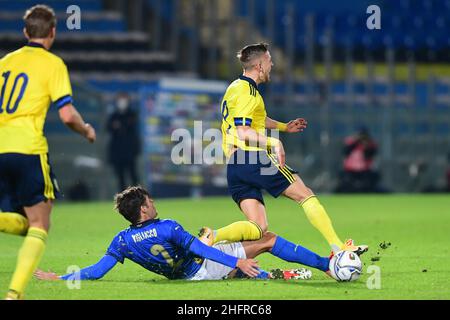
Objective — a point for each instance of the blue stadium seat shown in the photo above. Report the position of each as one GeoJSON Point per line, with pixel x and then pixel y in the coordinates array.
{"type": "Point", "coordinates": [426, 22]}
{"type": "Point", "coordinates": [401, 88]}
{"type": "Point", "coordinates": [103, 26]}
{"type": "Point", "coordinates": [166, 8]}
{"type": "Point", "coordinates": [401, 4]}
{"type": "Point", "coordinates": [300, 88]}
{"type": "Point", "coordinates": [57, 5]}
{"type": "Point", "coordinates": [442, 88]}
{"type": "Point", "coordinates": [402, 128]}
{"type": "Point", "coordinates": [349, 24]}
{"type": "Point", "coordinates": [443, 129]}
{"type": "Point", "coordinates": [380, 89]}
{"type": "Point", "coordinates": [117, 85]}
{"type": "Point", "coordinates": [339, 88]}
{"type": "Point", "coordinates": [421, 95]}
{"type": "Point", "coordinates": [373, 39]}
{"type": "Point", "coordinates": [340, 129]}
{"type": "Point", "coordinates": [98, 25]}
{"type": "Point", "coordinates": [359, 87]}
{"type": "Point", "coordinates": [422, 128]}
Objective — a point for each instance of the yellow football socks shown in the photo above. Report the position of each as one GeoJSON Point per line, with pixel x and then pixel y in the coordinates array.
{"type": "Point", "coordinates": [318, 217]}
{"type": "Point", "coordinates": [28, 259]}
{"type": "Point", "coordinates": [239, 231]}
{"type": "Point", "coordinates": [13, 223]}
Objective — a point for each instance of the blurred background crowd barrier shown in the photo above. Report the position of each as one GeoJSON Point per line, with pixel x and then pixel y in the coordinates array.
{"type": "Point", "coordinates": [329, 68]}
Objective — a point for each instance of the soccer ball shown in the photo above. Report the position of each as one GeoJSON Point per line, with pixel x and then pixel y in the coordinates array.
{"type": "Point", "coordinates": [345, 266]}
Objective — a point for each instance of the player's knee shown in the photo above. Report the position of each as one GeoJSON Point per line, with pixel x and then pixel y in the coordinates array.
{"type": "Point", "coordinates": [262, 230]}
{"type": "Point", "coordinates": [41, 222]}
{"type": "Point", "coordinates": [301, 194]}
{"type": "Point", "coordinates": [307, 192]}
{"type": "Point", "coordinates": [264, 227]}
{"type": "Point", "coordinates": [41, 225]}
{"type": "Point", "coordinates": [269, 239]}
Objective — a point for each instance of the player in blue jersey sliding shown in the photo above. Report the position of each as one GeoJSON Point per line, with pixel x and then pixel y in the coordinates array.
{"type": "Point", "coordinates": [164, 247]}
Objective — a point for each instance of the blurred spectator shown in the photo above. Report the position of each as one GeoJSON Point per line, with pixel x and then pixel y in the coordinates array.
{"type": "Point", "coordinates": [124, 143]}
{"type": "Point", "coordinates": [359, 174]}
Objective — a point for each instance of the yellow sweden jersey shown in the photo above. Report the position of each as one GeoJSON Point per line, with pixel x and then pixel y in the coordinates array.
{"type": "Point", "coordinates": [242, 105]}
{"type": "Point", "coordinates": [30, 79]}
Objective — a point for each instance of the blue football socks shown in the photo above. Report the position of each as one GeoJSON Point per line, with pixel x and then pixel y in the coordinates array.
{"type": "Point", "coordinates": [291, 252]}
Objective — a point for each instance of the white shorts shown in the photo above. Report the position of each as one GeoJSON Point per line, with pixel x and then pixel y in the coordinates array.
{"type": "Point", "coordinates": [211, 270]}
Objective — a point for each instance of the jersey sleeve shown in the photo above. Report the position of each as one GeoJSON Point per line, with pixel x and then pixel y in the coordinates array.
{"type": "Point", "coordinates": [244, 109]}
{"type": "Point", "coordinates": [181, 237]}
{"type": "Point", "coordinates": [59, 85]}
{"type": "Point", "coordinates": [189, 242]}
{"type": "Point", "coordinates": [115, 249]}
{"type": "Point", "coordinates": [94, 272]}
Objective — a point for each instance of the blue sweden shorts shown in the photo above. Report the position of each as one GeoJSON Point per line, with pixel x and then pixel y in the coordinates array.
{"type": "Point", "coordinates": [250, 172]}
{"type": "Point", "coordinates": [25, 180]}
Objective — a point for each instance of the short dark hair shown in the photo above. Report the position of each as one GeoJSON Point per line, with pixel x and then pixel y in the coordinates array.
{"type": "Point", "coordinates": [129, 202]}
{"type": "Point", "coordinates": [39, 21]}
{"type": "Point", "coordinates": [250, 52]}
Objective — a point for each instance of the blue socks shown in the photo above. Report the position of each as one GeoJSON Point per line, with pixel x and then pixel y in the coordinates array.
{"type": "Point", "coordinates": [291, 252]}
{"type": "Point", "coordinates": [262, 274]}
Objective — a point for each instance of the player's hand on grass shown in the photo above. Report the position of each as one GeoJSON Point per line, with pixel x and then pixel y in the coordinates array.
{"type": "Point", "coordinates": [90, 133]}
{"type": "Point", "coordinates": [249, 267]}
{"type": "Point", "coordinates": [296, 125]}
{"type": "Point", "coordinates": [47, 276]}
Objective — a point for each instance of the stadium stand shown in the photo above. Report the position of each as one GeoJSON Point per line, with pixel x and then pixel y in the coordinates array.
{"type": "Point", "coordinates": [427, 34]}
{"type": "Point", "coordinates": [98, 53]}
{"type": "Point", "coordinates": [403, 65]}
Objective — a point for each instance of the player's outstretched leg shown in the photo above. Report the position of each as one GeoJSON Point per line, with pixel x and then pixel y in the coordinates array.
{"type": "Point", "coordinates": [13, 223]}
{"type": "Point", "coordinates": [32, 248]}
{"type": "Point", "coordinates": [235, 232]}
{"type": "Point", "coordinates": [285, 250]}
{"type": "Point", "coordinates": [253, 229]}
{"type": "Point", "coordinates": [318, 216]}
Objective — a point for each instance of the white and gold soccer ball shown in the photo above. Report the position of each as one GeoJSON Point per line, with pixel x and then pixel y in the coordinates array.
{"type": "Point", "coordinates": [345, 266]}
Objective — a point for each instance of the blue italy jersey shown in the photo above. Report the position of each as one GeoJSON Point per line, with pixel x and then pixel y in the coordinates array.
{"type": "Point", "coordinates": [160, 246]}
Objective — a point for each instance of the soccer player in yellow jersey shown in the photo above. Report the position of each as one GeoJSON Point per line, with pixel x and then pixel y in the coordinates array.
{"type": "Point", "coordinates": [253, 167]}
{"type": "Point", "coordinates": [31, 78]}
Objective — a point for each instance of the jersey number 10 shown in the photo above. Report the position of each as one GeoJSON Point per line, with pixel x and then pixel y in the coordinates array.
{"type": "Point", "coordinates": [15, 105]}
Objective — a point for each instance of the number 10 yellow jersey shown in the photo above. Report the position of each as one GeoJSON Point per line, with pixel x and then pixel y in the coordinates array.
{"type": "Point", "coordinates": [30, 79]}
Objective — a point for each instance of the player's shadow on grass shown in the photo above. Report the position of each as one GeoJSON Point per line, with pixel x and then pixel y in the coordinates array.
{"type": "Point", "coordinates": [155, 281]}
{"type": "Point", "coordinates": [302, 283]}
{"type": "Point", "coordinates": [315, 283]}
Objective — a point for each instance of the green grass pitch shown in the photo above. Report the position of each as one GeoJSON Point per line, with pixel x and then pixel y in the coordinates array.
{"type": "Point", "coordinates": [415, 266]}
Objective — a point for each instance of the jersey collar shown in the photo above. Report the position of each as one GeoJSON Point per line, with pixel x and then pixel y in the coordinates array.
{"type": "Point", "coordinates": [35, 45]}
{"type": "Point", "coordinates": [249, 80]}
{"type": "Point", "coordinates": [143, 224]}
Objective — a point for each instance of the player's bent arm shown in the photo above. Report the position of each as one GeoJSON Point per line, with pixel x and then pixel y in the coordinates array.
{"type": "Point", "coordinates": [253, 138]}
{"type": "Point", "coordinates": [296, 125]}
{"type": "Point", "coordinates": [256, 139]}
{"type": "Point", "coordinates": [273, 124]}
{"type": "Point", "coordinates": [71, 118]}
